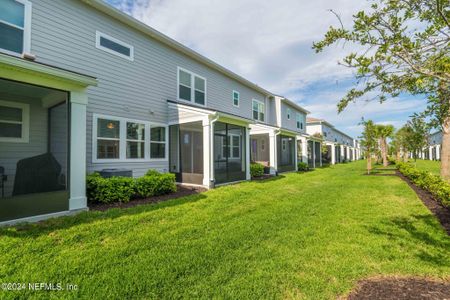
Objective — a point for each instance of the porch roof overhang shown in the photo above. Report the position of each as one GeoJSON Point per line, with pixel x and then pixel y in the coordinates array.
{"type": "Point", "coordinates": [197, 113]}
{"type": "Point", "coordinates": [18, 69]}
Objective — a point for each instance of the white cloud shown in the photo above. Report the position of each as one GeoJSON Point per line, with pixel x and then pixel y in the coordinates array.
{"type": "Point", "coordinates": [269, 43]}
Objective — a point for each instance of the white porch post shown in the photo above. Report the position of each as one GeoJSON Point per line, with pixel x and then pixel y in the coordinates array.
{"type": "Point", "coordinates": [438, 152]}
{"type": "Point", "coordinates": [333, 154]}
{"type": "Point", "coordinates": [304, 150]}
{"type": "Point", "coordinates": [342, 153]}
{"type": "Point", "coordinates": [273, 152]}
{"type": "Point", "coordinates": [247, 153]}
{"type": "Point", "coordinates": [295, 153]}
{"type": "Point", "coordinates": [430, 153]}
{"type": "Point", "coordinates": [78, 102]}
{"type": "Point", "coordinates": [207, 149]}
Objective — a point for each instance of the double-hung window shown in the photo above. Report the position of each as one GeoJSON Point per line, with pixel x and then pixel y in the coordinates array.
{"type": "Point", "coordinates": [299, 121]}
{"type": "Point", "coordinates": [158, 142]}
{"type": "Point", "coordinates": [288, 113]}
{"type": "Point", "coordinates": [14, 122]}
{"type": "Point", "coordinates": [233, 146]}
{"type": "Point", "coordinates": [236, 98]}
{"type": "Point", "coordinates": [121, 139]}
{"type": "Point", "coordinates": [258, 109]}
{"type": "Point", "coordinates": [15, 19]}
{"type": "Point", "coordinates": [191, 87]}
{"type": "Point", "coordinates": [135, 140]}
{"type": "Point", "coordinates": [108, 138]}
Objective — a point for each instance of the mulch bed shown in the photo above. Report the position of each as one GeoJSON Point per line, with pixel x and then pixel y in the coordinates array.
{"type": "Point", "coordinates": [401, 288]}
{"type": "Point", "coordinates": [264, 177]}
{"type": "Point", "coordinates": [181, 192]}
{"type": "Point", "coordinates": [440, 211]}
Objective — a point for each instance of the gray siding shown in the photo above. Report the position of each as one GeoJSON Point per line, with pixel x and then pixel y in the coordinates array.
{"type": "Point", "coordinates": [292, 123]}
{"type": "Point", "coordinates": [63, 35]}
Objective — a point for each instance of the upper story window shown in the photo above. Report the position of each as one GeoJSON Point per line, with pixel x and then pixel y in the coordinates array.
{"type": "Point", "coordinates": [114, 46]}
{"type": "Point", "coordinates": [119, 139]}
{"type": "Point", "coordinates": [236, 98]}
{"type": "Point", "coordinates": [299, 121]}
{"type": "Point", "coordinates": [258, 109]}
{"type": "Point", "coordinates": [288, 113]}
{"type": "Point", "coordinates": [325, 134]}
{"type": "Point", "coordinates": [191, 87]}
{"type": "Point", "coordinates": [15, 24]}
{"type": "Point", "coordinates": [14, 122]}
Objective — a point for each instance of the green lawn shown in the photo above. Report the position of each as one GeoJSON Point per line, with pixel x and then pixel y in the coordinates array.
{"type": "Point", "coordinates": [309, 235]}
{"type": "Point", "coordinates": [428, 165]}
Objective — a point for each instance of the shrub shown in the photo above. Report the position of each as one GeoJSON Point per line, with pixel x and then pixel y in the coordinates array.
{"type": "Point", "coordinates": [123, 189]}
{"type": "Point", "coordinates": [256, 170]}
{"type": "Point", "coordinates": [301, 166]}
{"type": "Point", "coordinates": [155, 184]}
{"type": "Point", "coordinates": [439, 188]}
{"type": "Point", "coordinates": [107, 190]}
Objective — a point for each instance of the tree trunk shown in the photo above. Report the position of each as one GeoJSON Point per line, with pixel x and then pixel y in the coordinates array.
{"type": "Point", "coordinates": [405, 156]}
{"type": "Point", "coordinates": [384, 151]}
{"type": "Point", "coordinates": [369, 162]}
{"type": "Point", "coordinates": [398, 156]}
{"type": "Point", "coordinates": [445, 150]}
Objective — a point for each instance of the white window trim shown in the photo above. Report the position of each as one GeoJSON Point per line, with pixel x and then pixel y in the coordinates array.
{"type": "Point", "coordinates": [25, 122]}
{"type": "Point", "coordinates": [26, 29]}
{"type": "Point", "coordinates": [231, 146]}
{"type": "Point", "coordinates": [238, 98]}
{"type": "Point", "coordinates": [192, 87]}
{"type": "Point", "coordinates": [264, 110]}
{"type": "Point", "coordinates": [133, 140]}
{"type": "Point", "coordinates": [99, 34]}
{"type": "Point", "coordinates": [288, 113]}
{"type": "Point", "coordinates": [123, 140]}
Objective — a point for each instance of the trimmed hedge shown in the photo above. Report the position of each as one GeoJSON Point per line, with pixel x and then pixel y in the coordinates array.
{"type": "Point", "coordinates": [123, 189]}
{"type": "Point", "coordinates": [438, 187]}
{"type": "Point", "coordinates": [256, 170]}
{"type": "Point", "coordinates": [301, 166]}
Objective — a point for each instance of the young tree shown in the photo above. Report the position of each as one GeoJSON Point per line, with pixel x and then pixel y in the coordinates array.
{"type": "Point", "coordinates": [369, 142]}
{"type": "Point", "coordinates": [417, 132]}
{"type": "Point", "coordinates": [404, 48]}
{"type": "Point", "coordinates": [383, 132]}
{"type": "Point", "coordinates": [400, 144]}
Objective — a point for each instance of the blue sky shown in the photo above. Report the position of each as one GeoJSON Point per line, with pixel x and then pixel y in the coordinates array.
{"type": "Point", "coordinates": [269, 43]}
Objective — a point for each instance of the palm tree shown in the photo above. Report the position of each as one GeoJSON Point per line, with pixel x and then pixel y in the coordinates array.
{"type": "Point", "coordinates": [369, 142]}
{"type": "Point", "coordinates": [383, 132]}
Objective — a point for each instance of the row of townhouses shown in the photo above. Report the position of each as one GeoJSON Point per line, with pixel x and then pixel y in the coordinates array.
{"type": "Point", "coordinates": [433, 150]}
{"type": "Point", "coordinates": [85, 87]}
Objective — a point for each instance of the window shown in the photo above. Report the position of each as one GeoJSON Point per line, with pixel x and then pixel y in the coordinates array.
{"type": "Point", "coordinates": [14, 122]}
{"type": "Point", "coordinates": [236, 98]}
{"type": "Point", "coordinates": [191, 87]}
{"type": "Point", "coordinates": [325, 134]}
{"type": "Point", "coordinates": [114, 46]}
{"type": "Point", "coordinates": [258, 110]}
{"type": "Point", "coordinates": [135, 140]}
{"type": "Point", "coordinates": [299, 121]}
{"type": "Point", "coordinates": [118, 139]}
{"type": "Point", "coordinates": [233, 145]}
{"type": "Point", "coordinates": [108, 139]}
{"type": "Point", "coordinates": [158, 142]}
{"type": "Point", "coordinates": [283, 144]}
{"type": "Point", "coordinates": [15, 23]}
{"type": "Point", "coordinates": [288, 113]}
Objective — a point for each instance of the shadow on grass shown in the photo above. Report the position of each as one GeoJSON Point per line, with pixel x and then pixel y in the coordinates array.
{"type": "Point", "coordinates": [268, 179]}
{"type": "Point", "coordinates": [401, 229]}
{"type": "Point", "coordinates": [33, 230]}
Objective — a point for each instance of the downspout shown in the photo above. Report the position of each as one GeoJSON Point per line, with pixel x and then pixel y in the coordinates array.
{"type": "Point", "coordinates": [211, 151]}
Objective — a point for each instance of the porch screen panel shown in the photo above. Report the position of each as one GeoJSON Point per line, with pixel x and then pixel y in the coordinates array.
{"type": "Point", "coordinates": [285, 153]}
{"type": "Point", "coordinates": [34, 175]}
{"type": "Point", "coordinates": [317, 153]}
{"type": "Point", "coordinates": [186, 152]}
{"type": "Point", "coordinates": [311, 154]}
{"type": "Point", "coordinates": [229, 153]}
{"type": "Point", "coordinates": [326, 156]}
